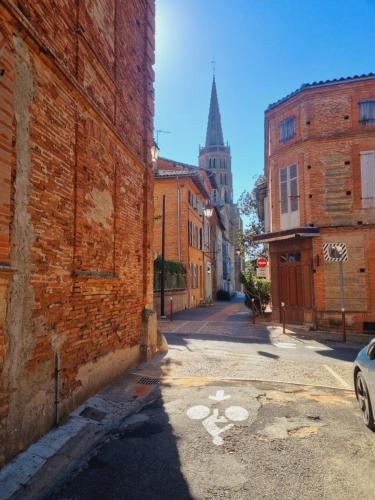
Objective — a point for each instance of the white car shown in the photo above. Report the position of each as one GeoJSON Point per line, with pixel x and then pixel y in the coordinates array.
{"type": "Point", "coordinates": [364, 382]}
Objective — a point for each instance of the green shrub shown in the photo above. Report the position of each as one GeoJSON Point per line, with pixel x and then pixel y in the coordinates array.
{"type": "Point", "coordinates": [255, 288]}
{"type": "Point", "coordinates": [174, 277]}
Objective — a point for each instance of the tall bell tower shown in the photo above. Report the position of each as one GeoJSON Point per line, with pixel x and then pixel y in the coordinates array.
{"type": "Point", "coordinates": [215, 156]}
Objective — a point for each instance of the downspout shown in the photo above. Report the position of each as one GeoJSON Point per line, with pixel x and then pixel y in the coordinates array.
{"type": "Point", "coordinates": [178, 221]}
{"type": "Point", "coordinates": [57, 387]}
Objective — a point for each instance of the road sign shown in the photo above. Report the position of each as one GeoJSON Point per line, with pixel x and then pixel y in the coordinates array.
{"type": "Point", "coordinates": [335, 252]}
{"type": "Point", "coordinates": [262, 272]}
{"type": "Point", "coordinates": [262, 262]}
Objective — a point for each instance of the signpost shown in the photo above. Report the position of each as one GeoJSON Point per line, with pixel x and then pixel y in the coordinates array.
{"type": "Point", "coordinates": [337, 252]}
{"type": "Point", "coordinates": [262, 268]}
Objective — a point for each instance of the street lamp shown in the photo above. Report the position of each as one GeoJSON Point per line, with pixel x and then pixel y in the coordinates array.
{"type": "Point", "coordinates": [208, 211]}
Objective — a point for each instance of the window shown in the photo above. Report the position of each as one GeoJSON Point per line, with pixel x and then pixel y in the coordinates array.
{"type": "Point", "coordinates": [190, 233]}
{"type": "Point", "coordinates": [287, 258]}
{"type": "Point", "coordinates": [214, 196]}
{"type": "Point", "coordinates": [189, 197]}
{"type": "Point", "coordinates": [287, 129]}
{"type": "Point", "coordinates": [367, 112]}
{"type": "Point", "coordinates": [200, 239]}
{"type": "Point", "coordinates": [289, 205]}
{"type": "Point", "coordinates": [368, 178]}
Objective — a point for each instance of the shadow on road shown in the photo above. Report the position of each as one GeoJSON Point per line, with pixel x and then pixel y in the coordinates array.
{"type": "Point", "coordinates": [268, 355]}
{"type": "Point", "coordinates": [182, 339]}
{"type": "Point", "coordinates": [341, 353]}
{"type": "Point", "coordinates": [138, 460]}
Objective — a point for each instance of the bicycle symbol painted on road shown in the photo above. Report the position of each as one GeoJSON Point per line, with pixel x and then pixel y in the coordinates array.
{"type": "Point", "coordinates": [210, 420]}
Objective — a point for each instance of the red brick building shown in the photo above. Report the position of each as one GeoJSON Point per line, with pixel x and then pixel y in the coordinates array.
{"type": "Point", "coordinates": [76, 123]}
{"type": "Point", "coordinates": [320, 171]}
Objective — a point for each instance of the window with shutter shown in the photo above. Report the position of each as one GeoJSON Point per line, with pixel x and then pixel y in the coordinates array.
{"type": "Point", "coordinates": [368, 178]}
{"type": "Point", "coordinates": [284, 190]}
{"type": "Point", "coordinates": [289, 196]}
{"type": "Point", "coordinates": [367, 112]}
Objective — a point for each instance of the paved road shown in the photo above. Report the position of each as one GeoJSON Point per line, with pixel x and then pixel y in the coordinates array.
{"type": "Point", "coordinates": [242, 413]}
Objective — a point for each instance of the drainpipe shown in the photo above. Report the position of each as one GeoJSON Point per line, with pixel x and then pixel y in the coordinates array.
{"type": "Point", "coordinates": [178, 221]}
{"type": "Point", "coordinates": [57, 387]}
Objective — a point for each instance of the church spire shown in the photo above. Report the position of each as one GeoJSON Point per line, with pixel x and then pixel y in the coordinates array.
{"type": "Point", "coordinates": [214, 135]}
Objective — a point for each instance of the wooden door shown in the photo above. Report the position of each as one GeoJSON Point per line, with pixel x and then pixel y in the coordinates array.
{"type": "Point", "coordinates": [292, 286]}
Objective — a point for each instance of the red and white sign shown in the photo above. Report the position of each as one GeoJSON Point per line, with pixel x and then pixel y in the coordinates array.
{"type": "Point", "coordinates": [262, 262]}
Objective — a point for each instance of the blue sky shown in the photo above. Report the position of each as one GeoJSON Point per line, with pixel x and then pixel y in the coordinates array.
{"type": "Point", "coordinates": [264, 49]}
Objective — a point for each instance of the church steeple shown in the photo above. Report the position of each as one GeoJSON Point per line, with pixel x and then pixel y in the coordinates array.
{"type": "Point", "coordinates": [214, 135]}
{"type": "Point", "coordinates": [216, 157]}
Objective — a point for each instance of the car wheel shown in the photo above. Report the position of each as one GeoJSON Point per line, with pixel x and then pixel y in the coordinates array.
{"type": "Point", "coordinates": [364, 401]}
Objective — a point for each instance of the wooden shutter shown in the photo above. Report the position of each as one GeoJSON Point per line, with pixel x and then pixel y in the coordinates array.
{"type": "Point", "coordinates": [368, 178]}
{"type": "Point", "coordinates": [284, 190]}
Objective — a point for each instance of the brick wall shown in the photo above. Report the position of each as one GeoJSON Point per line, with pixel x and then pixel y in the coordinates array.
{"type": "Point", "coordinates": [76, 101]}
{"type": "Point", "coordinates": [326, 149]}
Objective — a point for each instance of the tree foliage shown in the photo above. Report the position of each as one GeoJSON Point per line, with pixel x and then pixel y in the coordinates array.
{"type": "Point", "coordinates": [248, 205]}
{"type": "Point", "coordinates": [255, 288]}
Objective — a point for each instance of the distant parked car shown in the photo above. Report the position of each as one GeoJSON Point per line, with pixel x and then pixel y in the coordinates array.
{"type": "Point", "coordinates": [364, 382]}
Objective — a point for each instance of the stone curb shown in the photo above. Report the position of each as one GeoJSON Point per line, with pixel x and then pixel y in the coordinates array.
{"type": "Point", "coordinates": [65, 448]}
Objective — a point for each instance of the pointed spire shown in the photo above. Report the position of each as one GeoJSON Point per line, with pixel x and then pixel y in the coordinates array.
{"type": "Point", "coordinates": [214, 135]}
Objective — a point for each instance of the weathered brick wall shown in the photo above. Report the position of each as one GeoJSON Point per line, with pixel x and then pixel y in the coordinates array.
{"type": "Point", "coordinates": [76, 130]}
{"type": "Point", "coordinates": [326, 148]}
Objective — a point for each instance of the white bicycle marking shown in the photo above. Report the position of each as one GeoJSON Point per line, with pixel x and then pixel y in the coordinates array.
{"type": "Point", "coordinates": [236, 413]}
{"type": "Point", "coordinates": [210, 420]}
{"type": "Point", "coordinates": [219, 396]}
{"type": "Point", "coordinates": [198, 412]}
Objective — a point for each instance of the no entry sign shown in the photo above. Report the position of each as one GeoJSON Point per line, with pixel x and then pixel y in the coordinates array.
{"type": "Point", "coordinates": [262, 262]}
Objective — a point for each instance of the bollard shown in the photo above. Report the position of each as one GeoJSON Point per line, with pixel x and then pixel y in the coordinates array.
{"type": "Point", "coordinates": [253, 309]}
{"type": "Point", "coordinates": [171, 308]}
{"type": "Point", "coordinates": [343, 319]}
{"type": "Point", "coordinates": [283, 315]}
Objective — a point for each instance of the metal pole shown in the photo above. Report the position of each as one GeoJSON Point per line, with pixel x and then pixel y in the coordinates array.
{"type": "Point", "coordinates": [283, 315]}
{"type": "Point", "coordinates": [342, 301]}
{"type": "Point", "coordinates": [253, 309]}
{"type": "Point", "coordinates": [171, 308]}
{"type": "Point", "coordinates": [162, 276]}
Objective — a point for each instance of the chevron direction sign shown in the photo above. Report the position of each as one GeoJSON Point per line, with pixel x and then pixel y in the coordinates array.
{"type": "Point", "coordinates": [335, 252]}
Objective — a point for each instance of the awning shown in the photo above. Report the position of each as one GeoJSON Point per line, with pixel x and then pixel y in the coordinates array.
{"type": "Point", "coordinates": [287, 234]}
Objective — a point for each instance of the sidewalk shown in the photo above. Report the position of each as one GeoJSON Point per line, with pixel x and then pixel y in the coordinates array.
{"type": "Point", "coordinates": [356, 340]}
{"type": "Point", "coordinates": [233, 319]}
{"type": "Point", "coordinates": [61, 450]}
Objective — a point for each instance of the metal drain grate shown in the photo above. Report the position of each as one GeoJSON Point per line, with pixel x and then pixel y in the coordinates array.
{"type": "Point", "coordinates": [148, 381]}
{"type": "Point", "coordinates": [93, 414]}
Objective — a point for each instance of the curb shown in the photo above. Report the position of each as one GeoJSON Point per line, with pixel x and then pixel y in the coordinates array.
{"type": "Point", "coordinates": [42, 467]}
